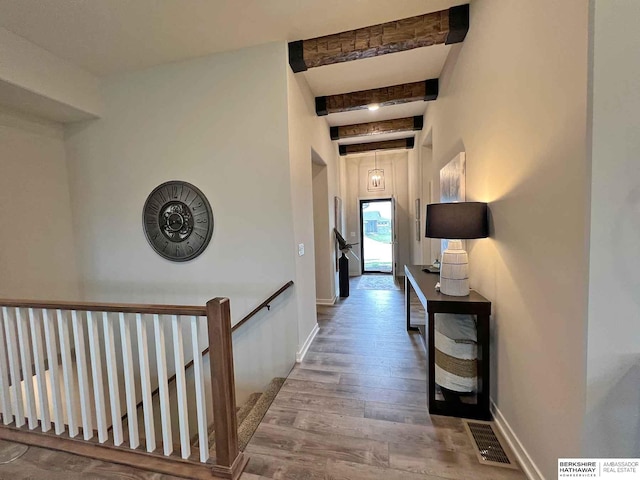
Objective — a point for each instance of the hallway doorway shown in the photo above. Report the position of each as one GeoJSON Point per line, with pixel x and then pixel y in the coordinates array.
{"type": "Point", "coordinates": [377, 234]}
{"type": "Point", "coordinates": [322, 232]}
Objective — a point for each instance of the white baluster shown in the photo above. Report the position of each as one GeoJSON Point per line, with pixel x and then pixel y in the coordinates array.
{"type": "Point", "coordinates": [201, 403]}
{"type": "Point", "coordinates": [27, 369]}
{"type": "Point", "coordinates": [14, 367]}
{"type": "Point", "coordinates": [145, 383]}
{"type": "Point", "coordinates": [54, 371]}
{"type": "Point", "coordinates": [41, 379]}
{"type": "Point", "coordinates": [5, 400]}
{"type": "Point", "coordinates": [83, 380]}
{"type": "Point", "coordinates": [129, 383]}
{"type": "Point", "coordinates": [163, 385]}
{"type": "Point", "coordinates": [67, 373]}
{"type": "Point", "coordinates": [181, 387]}
{"type": "Point", "coordinates": [96, 372]}
{"type": "Point", "coordinates": [112, 377]}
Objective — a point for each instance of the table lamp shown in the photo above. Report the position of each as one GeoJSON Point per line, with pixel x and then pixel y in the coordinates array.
{"type": "Point", "coordinates": [456, 222]}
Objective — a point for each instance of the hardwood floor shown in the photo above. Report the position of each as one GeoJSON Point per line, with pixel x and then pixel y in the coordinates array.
{"type": "Point", "coordinates": [43, 464]}
{"type": "Point", "coordinates": [355, 408]}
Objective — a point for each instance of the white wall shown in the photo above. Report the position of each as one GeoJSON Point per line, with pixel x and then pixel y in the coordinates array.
{"type": "Point", "coordinates": [308, 138]}
{"type": "Point", "coordinates": [415, 192]}
{"type": "Point", "coordinates": [612, 426]}
{"type": "Point", "coordinates": [420, 180]}
{"type": "Point", "coordinates": [430, 247]}
{"type": "Point", "coordinates": [219, 122]}
{"type": "Point", "coordinates": [513, 97]}
{"type": "Point", "coordinates": [37, 259]}
{"type": "Point", "coordinates": [395, 166]}
{"type": "Point", "coordinates": [36, 80]}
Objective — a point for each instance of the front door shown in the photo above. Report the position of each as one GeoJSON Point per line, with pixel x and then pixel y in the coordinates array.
{"type": "Point", "coordinates": [377, 234]}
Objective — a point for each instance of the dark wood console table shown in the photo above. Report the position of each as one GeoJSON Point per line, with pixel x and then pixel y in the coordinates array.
{"type": "Point", "coordinates": [423, 284]}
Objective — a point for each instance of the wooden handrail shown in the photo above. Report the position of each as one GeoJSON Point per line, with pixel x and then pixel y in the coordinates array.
{"type": "Point", "coordinates": [239, 324]}
{"type": "Point", "coordinates": [265, 304]}
{"type": "Point", "coordinates": [188, 310]}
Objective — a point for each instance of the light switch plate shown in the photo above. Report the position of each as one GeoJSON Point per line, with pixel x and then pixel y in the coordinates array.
{"type": "Point", "coordinates": [300, 249]}
{"type": "Point", "coordinates": [353, 234]}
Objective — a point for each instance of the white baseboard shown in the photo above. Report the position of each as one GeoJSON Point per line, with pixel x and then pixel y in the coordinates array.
{"type": "Point", "coordinates": [526, 462]}
{"type": "Point", "coordinates": [326, 301]}
{"type": "Point", "coordinates": [307, 343]}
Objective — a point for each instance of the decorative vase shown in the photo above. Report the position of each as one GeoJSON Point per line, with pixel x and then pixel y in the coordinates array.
{"type": "Point", "coordinates": [343, 265]}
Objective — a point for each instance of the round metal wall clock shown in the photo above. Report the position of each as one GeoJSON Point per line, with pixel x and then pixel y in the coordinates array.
{"type": "Point", "coordinates": [177, 221]}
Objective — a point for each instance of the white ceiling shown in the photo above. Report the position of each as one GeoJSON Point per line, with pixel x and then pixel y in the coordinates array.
{"type": "Point", "coordinates": [402, 110]}
{"type": "Point", "coordinates": [111, 36]}
{"type": "Point", "coordinates": [402, 67]}
{"type": "Point", "coordinates": [393, 69]}
{"type": "Point", "coordinates": [381, 137]}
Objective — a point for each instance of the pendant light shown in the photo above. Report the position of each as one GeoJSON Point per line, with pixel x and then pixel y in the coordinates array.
{"type": "Point", "coordinates": [376, 176]}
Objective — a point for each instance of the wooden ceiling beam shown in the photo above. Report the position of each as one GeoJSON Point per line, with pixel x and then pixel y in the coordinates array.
{"type": "Point", "coordinates": [394, 95]}
{"type": "Point", "coordinates": [402, 143]}
{"type": "Point", "coordinates": [446, 26]}
{"type": "Point", "coordinates": [375, 128]}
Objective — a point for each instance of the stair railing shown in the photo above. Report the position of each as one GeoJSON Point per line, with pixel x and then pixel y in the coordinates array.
{"type": "Point", "coordinates": [266, 304]}
{"type": "Point", "coordinates": [67, 403]}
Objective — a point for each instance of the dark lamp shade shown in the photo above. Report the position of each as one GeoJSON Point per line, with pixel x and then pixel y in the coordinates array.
{"type": "Point", "coordinates": [457, 221]}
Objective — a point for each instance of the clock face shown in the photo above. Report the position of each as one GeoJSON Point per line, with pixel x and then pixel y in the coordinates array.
{"type": "Point", "coordinates": [177, 221]}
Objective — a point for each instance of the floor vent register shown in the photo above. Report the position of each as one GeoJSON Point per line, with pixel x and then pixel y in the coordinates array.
{"type": "Point", "coordinates": [488, 445]}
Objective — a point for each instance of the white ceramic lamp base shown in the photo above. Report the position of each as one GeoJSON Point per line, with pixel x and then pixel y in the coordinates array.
{"type": "Point", "coordinates": [454, 270]}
